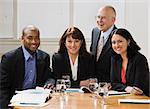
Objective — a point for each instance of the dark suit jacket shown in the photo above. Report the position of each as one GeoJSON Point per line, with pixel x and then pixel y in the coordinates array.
{"type": "Point", "coordinates": [103, 64]}
{"type": "Point", "coordinates": [137, 73]}
{"type": "Point", "coordinates": [12, 71]}
{"type": "Point", "coordinates": [61, 66]}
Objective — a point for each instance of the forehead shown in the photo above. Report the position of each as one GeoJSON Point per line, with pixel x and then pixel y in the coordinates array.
{"type": "Point", "coordinates": [117, 37]}
{"type": "Point", "coordinates": [71, 37]}
{"type": "Point", "coordinates": [29, 32]}
{"type": "Point", "coordinates": [105, 11]}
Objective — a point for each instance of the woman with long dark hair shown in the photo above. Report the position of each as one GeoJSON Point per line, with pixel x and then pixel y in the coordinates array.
{"type": "Point", "coordinates": [73, 59]}
{"type": "Point", "coordinates": [129, 68]}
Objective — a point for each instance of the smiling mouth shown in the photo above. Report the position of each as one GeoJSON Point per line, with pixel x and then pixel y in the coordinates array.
{"type": "Point", "coordinates": [33, 46]}
{"type": "Point", "coordinates": [118, 49]}
{"type": "Point", "coordinates": [73, 49]}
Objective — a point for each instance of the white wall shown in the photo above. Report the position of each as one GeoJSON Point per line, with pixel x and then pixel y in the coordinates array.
{"type": "Point", "coordinates": [136, 21]}
{"type": "Point", "coordinates": [149, 32]}
{"type": "Point", "coordinates": [54, 16]}
{"type": "Point", "coordinates": [53, 20]}
{"type": "Point", "coordinates": [6, 18]}
{"type": "Point", "coordinates": [51, 16]}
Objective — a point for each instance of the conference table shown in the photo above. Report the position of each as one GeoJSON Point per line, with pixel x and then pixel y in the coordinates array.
{"type": "Point", "coordinates": [78, 100]}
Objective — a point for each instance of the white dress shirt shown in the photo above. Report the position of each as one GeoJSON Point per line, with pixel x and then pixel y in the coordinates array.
{"type": "Point", "coordinates": [74, 68]}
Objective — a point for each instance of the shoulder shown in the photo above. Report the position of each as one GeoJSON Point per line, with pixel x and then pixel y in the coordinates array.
{"type": "Point", "coordinates": [116, 58]}
{"type": "Point", "coordinates": [13, 53]}
{"type": "Point", "coordinates": [58, 56]}
{"type": "Point", "coordinates": [42, 53]}
{"type": "Point", "coordinates": [95, 30]}
{"type": "Point", "coordinates": [139, 57]}
{"type": "Point", "coordinates": [87, 56]}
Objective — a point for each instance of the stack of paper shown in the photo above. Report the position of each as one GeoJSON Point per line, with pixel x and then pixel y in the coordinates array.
{"type": "Point", "coordinates": [30, 97]}
{"type": "Point", "coordinates": [134, 101]}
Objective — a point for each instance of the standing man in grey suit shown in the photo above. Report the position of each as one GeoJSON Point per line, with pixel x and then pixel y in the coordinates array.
{"type": "Point", "coordinates": [25, 67]}
{"type": "Point", "coordinates": [105, 20]}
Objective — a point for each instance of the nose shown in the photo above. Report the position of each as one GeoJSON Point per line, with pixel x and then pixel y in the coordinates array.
{"type": "Point", "coordinates": [34, 41]}
{"type": "Point", "coordinates": [73, 44]}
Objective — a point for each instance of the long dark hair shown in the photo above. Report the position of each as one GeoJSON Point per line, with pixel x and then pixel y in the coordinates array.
{"type": "Point", "coordinates": [132, 48]}
{"type": "Point", "coordinates": [75, 33]}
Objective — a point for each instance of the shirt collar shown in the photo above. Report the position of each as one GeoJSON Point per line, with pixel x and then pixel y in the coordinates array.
{"type": "Point", "coordinates": [107, 33]}
{"type": "Point", "coordinates": [27, 55]}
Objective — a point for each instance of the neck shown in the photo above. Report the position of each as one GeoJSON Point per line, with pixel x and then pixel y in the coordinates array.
{"type": "Point", "coordinates": [124, 62]}
{"type": "Point", "coordinates": [124, 56]}
{"type": "Point", "coordinates": [31, 52]}
{"type": "Point", "coordinates": [73, 57]}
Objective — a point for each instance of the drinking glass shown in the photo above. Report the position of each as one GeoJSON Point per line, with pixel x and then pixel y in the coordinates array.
{"type": "Point", "coordinates": [93, 86]}
{"type": "Point", "coordinates": [103, 90]}
{"type": "Point", "coordinates": [60, 85]}
{"type": "Point", "coordinates": [67, 80]}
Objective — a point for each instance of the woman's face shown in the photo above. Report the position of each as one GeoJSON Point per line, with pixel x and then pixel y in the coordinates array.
{"type": "Point", "coordinates": [119, 44]}
{"type": "Point", "coordinates": [73, 45]}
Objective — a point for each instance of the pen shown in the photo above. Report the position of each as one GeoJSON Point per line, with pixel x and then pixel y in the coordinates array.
{"type": "Point", "coordinates": [30, 103]}
{"type": "Point", "coordinates": [119, 93]}
{"type": "Point", "coordinates": [135, 102]}
{"type": "Point", "coordinates": [138, 90]}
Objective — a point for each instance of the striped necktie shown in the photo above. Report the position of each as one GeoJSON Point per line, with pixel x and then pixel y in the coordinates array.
{"type": "Point", "coordinates": [100, 46]}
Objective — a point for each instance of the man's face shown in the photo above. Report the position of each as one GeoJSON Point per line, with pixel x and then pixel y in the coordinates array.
{"type": "Point", "coordinates": [105, 19]}
{"type": "Point", "coordinates": [31, 41]}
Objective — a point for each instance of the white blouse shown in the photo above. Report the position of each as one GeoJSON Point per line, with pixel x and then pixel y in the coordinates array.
{"type": "Point", "coordinates": [74, 68]}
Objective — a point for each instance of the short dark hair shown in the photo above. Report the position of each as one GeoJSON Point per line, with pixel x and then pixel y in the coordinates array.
{"type": "Point", "coordinates": [31, 28]}
{"type": "Point", "coordinates": [75, 33]}
{"type": "Point", "coordinates": [132, 47]}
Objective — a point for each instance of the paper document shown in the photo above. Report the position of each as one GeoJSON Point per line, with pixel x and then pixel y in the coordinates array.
{"type": "Point", "coordinates": [31, 97]}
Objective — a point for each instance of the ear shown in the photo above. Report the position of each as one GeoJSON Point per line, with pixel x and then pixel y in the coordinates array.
{"type": "Point", "coordinates": [128, 42]}
{"type": "Point", "coordinates": [22, 37]}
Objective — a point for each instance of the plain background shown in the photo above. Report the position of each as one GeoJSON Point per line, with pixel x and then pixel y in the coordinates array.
{"type": "Point", "coordinates": [54, 16]}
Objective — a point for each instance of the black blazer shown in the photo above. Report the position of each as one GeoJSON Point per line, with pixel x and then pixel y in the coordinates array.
{"type": "Point", "coordinates": [103, 64]}
{"type": "Point", "coordinates": [137, 73]}
{"type": "Point", "coordinates": [12, 71]}
{"type": "Point", "coordinates": [61, 66]}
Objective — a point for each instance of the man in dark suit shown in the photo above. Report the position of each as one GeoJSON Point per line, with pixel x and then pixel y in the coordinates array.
{"type": "Point", "coordinates": [105, 20]}
{"type": "Point", "coordinates": [25, 67]}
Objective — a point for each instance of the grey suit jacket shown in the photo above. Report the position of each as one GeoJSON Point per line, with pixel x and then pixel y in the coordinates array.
{"type": "Point", "coordinates": [103, 64]}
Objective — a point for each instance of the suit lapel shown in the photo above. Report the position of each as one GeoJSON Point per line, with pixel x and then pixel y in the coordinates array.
{"type": "Point", "coordinates": [97, 39]}
{"type": "Point", "coordinates": [119, 63]}
{"type": "Point", "coordinates": [80, 63]}
{"type": "Point", "coordinates": [67, 65]}
{"type": "Point", "coordinates": [20, 66]}
{"type": "Point", "coordinates": [107, 46]}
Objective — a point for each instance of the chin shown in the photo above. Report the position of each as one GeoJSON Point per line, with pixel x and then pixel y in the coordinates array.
{"type": "Point", "coordinates": [117, 52]}
{"type": "Point", "coordinates": [33, 50]}
{"type": "Point", "coordinates": [74, 53]}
